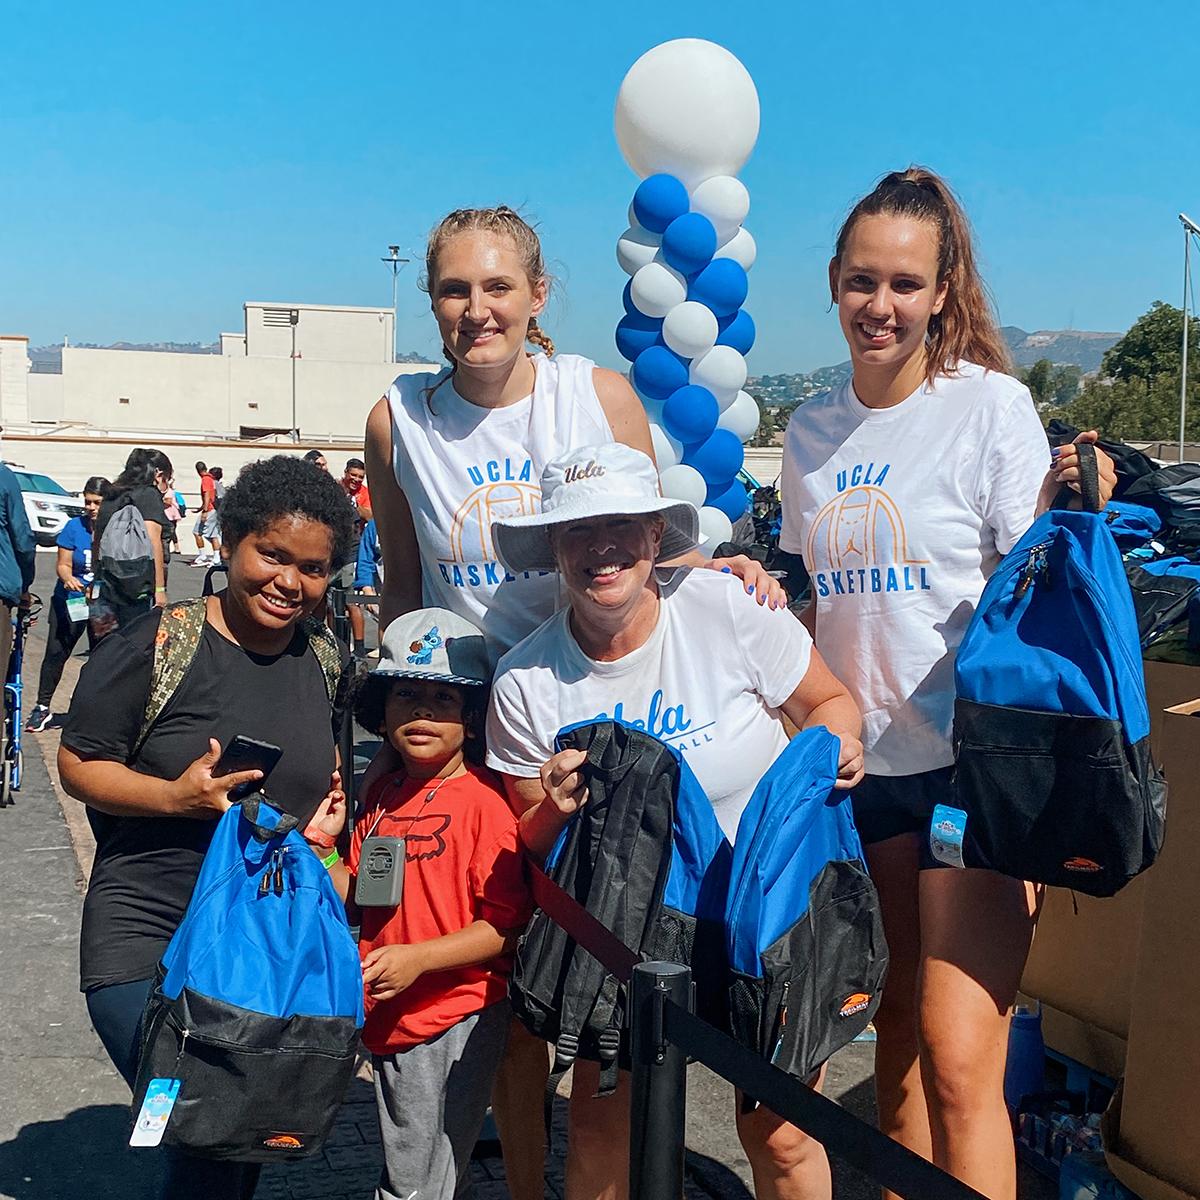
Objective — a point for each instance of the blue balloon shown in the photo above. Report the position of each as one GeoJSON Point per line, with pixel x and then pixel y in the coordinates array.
{"type": "Point", "coordinates": [635, 334]}
{"type": "Point", "coordinates": [689, 243]}
{"type": "Point", "coordinates": [721, 286]}
{"type": "Point", "coordinates": [627, 299]}
{"type": "Point", "coordinates": [733, 501]}
{"type": "Point", "coordinates": [690, 414]}
{"type": "Point", "coordinates": [658, 373]}
{"type": "Point", "coordinates": [736, 331]}
{"type": "Point", "coordinates": [718, 458]}
{"type": "Point", "coordinates": [658, 201]}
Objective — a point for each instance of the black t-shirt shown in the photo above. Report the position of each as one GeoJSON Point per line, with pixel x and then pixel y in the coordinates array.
{"type": "Point", "coordinates": [146, 867]}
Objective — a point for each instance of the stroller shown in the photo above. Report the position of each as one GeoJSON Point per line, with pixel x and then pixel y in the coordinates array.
{"type": "Point", "coordinates": [11, 759]}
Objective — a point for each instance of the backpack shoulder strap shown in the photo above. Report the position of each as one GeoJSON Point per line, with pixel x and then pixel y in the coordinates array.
{"type": "Point", "coordinates": [175, 645]}
{"type": "Point", "coordinates": [324, 646]}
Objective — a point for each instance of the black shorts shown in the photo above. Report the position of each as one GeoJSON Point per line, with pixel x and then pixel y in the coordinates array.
{"type": "Point", "coordinates": [886, 806]}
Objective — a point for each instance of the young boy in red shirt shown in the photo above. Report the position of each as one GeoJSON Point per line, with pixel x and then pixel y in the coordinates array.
{"type": "Point", "coordinates": [436, 965]}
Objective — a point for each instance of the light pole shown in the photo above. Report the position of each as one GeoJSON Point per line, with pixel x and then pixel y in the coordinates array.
{"type": "Point", "coordinates": [397, 265]}
{"type": "Point", "coordinates": [1189, 228]}
{"type": "Point", "coordinates": [294, 320]}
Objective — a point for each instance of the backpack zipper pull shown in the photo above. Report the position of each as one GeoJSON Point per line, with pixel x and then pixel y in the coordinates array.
{"type": "Point", "coordinates": [1026, 575]}
{"type": "Point", "coordinates": [279, 871]}
{"type": "Point", "coordinates": [265, 883]}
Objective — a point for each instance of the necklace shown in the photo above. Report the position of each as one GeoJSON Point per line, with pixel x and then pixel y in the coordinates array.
{"type": "Point", "coordinates": [399, 784]}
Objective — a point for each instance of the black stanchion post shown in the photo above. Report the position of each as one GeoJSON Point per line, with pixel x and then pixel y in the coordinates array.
{"type": "Point", "coordinates": [659, 1084]}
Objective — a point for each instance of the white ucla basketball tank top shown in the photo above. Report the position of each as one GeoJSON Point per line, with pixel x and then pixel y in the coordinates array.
{"type": "Point", "coordinates": [461, 467]}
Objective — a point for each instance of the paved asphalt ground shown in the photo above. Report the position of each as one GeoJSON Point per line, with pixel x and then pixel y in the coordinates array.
{"type": "Point", "coordinates": [64, 1110]}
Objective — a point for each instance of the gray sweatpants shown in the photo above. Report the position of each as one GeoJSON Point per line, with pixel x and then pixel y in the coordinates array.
{"type": "Point", "coordinates": [432, 1102]}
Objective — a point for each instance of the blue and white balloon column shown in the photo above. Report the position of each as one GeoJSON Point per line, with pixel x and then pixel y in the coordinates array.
{"type": "Point", "coordinates": [686, 122]}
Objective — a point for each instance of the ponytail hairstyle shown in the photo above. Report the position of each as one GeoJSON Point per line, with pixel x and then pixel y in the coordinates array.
{"type": "Point", "coordinates": [502, 220]}
{"type": "Point", "coordinates": [966, 328]}
{"type": "Point", "coordinates": [140, 468]}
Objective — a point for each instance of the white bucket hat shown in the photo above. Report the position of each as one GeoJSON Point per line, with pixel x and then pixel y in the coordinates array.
{"type": "Point", "coordinates": [594, 481]}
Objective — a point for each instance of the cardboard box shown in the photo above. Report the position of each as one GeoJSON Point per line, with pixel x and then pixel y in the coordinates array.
{"type": "Point", "coordinates": [1145, 1185]}
{"type": "Point", "coordinates": [1084, 955]}
{"type": "Point", "coordinates": [1158, 1131]}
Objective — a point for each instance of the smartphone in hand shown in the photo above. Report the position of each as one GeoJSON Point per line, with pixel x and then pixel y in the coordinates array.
{"type": "Point", "coordinates": [247, 754]}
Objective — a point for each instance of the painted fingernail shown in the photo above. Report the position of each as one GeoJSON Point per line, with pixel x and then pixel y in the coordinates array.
{"type": "Point", "coordinates": [726, 570]}
{"type": "Point", "coordinates": [750, 589]}
{"type": "Point", "coordinates": [1056, 452]}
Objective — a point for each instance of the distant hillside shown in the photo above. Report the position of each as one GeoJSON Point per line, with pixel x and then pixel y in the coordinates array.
{"type": "Point", "coordinates": [1078, 347]}
{"type": "Point", "coordinates": [47, 360]}
{"type": "Point", "coordinates": [781, 390]}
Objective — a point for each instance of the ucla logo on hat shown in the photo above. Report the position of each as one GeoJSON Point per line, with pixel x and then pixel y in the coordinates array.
{"type": "Point", "coordinates": [576, 471]}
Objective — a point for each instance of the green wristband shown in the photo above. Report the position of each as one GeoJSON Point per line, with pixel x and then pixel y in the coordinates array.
{"type": "Point", "coordinates": [331, 860]}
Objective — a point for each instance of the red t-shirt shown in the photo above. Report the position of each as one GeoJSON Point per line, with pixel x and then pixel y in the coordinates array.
{"type": "Point", "coordinates": [208, 490]}
{"type": "Point", "coordinates": [463, 863]}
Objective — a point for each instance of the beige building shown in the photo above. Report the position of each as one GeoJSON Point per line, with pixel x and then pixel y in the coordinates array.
{"type": "Point", "coordinates": [314, 368]}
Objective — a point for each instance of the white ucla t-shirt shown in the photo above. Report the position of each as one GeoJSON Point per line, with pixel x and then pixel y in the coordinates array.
{"type": "Point", "coordinates": [709, 681]}
{"type": "Point", "coordinates": [461, 467]}
{"type": "Point", "coordinates": [901, 515]}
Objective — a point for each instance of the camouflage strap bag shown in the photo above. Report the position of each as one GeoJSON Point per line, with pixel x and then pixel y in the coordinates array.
{"type": "Point", "coordinates": [175, 649]}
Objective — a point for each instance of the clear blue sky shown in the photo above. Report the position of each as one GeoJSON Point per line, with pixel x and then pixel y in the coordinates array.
{"type": "Point", "coordinates": [164, 163]}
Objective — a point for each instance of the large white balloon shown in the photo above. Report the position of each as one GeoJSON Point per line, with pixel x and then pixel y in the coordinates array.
{"type": "Point", "coordinates": [741, 417]}
{"type": "Point", "coordinates": [683, 483]}
{"type": "Point", "coordinates": [690, 329]}
{"type": "Point", "coordinates": [636, 247]}
{"type": "Point", "coordinates": [724, 201]}
{"type": "Point", "coordinates": [740, 248]}
{"type": "Point", "coordinates": [723, 371]}
{"type": "Point", "coordinates": [687, 108]}
{"type": "Point", "coordinates": [657, 288]}
{"type": "Point", "coordinates": [715, 528]}
{"type": "Point", "coordinates": [668, 452]}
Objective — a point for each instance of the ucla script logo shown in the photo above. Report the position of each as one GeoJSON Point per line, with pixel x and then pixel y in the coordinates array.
{"type": "Point", "coordinates": [860, 535]}
{"type": "Point", "coordinates": [502, 488]}
{"type": "Point", "coordinates": [667, 722]}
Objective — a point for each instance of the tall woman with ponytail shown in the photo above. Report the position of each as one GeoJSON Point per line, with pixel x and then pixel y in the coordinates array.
{"type": "Point", "coordinates": [903, 489]}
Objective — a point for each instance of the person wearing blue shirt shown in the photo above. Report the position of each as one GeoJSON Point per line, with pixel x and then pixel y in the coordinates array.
{"type": "Point", "coordinates": [370, 560]}
{"type": "Point", "coordinates": [74, 568]}
{"type": "Point", "coordinates": [17, 554]}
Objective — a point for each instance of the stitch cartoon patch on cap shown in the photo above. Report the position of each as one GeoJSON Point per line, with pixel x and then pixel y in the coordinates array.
{"type": "Point", "coordinates": [422, 651]}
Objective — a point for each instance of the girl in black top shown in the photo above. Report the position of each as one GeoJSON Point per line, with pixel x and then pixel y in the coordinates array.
{"type": "Point", "coordinates": [153, 809]}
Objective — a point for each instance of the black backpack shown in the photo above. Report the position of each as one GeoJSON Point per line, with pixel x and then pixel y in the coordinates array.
{"type": "Point", "coordinates": [647, 859]}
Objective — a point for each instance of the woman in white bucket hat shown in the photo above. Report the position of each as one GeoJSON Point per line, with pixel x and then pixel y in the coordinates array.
{"type": "Point", "coordinates": [680, 652]}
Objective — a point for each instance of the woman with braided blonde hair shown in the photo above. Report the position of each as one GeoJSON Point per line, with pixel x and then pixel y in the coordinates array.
{"type": "Point", "coordinates": [450, 452]}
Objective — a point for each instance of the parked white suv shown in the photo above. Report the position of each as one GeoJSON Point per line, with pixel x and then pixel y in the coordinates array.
{"type": "Point", "coordinates": [48, 505]}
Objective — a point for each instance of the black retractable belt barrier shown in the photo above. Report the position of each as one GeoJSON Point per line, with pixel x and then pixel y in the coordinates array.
{"type": "Point", "coordinates": [888, 1164]}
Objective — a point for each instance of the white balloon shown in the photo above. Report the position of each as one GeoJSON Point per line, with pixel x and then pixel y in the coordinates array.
{"type": "Point", "coordinates": [687, 108]}
{"type": "Point", "coordinates": [690, 329]}
{"type": "Point", "coordinates": [741, 417]}
{"type": "Point", "coordinates": [715, 528]}
{"type": "Point", "coordinates": [636, 247]}
{"type": "Point", "coordinates": [657, 288]}
{"type": "Point", "coordinates": [723, 371]}
{"type": "Point", "coordinates": [724, 201]}
{"type": "Point", "coordinates": [740, 248]}
{"type": "Point", "coordinates": [668, 452]}
{"type": "Point", "coordinates": [683, 483]}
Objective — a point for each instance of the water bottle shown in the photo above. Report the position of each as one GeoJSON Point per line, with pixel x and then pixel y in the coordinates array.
{"type": "Point", "coordinates": [1025, 1070]}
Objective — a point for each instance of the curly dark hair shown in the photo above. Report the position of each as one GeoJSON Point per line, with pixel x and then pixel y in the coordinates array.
{"type": "Point", "coordinates": [282, 486]}
{"type": "Point", "coordinates": [370, 700]}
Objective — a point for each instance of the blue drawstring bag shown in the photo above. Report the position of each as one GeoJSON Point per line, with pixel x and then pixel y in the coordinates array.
{"type": "Point", "coordinates": [1131, 524]}
{"type": "Point", "coordinates": [1051, 725]}
{"type": "Point", "coordinates": [258, 1002]}
{"type": "Point", "coordinates": [803, 926]}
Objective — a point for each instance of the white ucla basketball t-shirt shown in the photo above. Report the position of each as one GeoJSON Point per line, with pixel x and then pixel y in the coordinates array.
{"type": "Point", "coordinates": [708, 681]}
{"type": "Point", "coordinates": [901, 514]}
{"type": "Point", "coordinates": [461, 467]}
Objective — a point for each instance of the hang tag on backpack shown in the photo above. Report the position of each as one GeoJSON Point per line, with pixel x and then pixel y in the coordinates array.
{"type": "Point", "coordinates": [946, 832]}
{"type": "Point", "coordinates": [77, 606]}
{"type": "Point", "coordinates": [380, 881]}
{"type": "Point", "coordinates": [155, 1112]}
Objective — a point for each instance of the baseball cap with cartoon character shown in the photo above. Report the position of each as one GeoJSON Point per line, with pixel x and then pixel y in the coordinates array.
{"type": "Point", "coordinates": [434, 643]}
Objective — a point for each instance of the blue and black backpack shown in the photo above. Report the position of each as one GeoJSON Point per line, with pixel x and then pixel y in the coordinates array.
{"type": "Point", "coordinates": [807, 953]}
{"type": "Point", "coordinates": [258, 1001]}
{"type": "Point", "coordinates": [1051, 725]}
